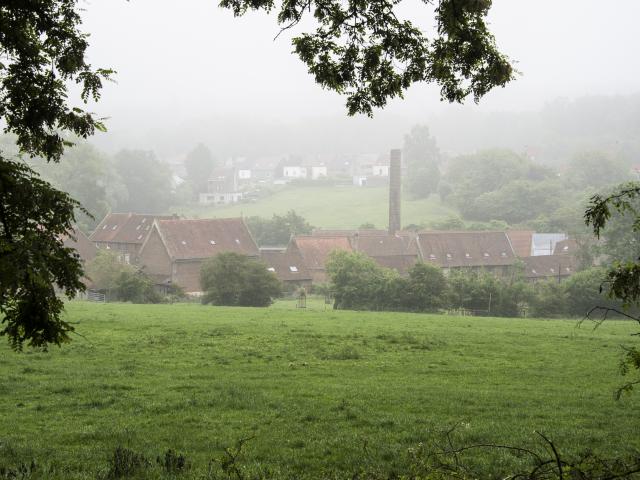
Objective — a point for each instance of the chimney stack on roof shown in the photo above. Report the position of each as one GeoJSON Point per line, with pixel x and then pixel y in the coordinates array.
{"type": "Point", "coordinates": [395, 186]}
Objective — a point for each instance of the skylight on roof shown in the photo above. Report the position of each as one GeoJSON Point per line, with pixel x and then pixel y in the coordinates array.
{"type": "Point", "coordinates": [486, 254]}
{"type": "Point", "coordinates": [467, 255]}
{"type": "Point", "coordinates": [104, 227]}
{"type": "Point", "coordinates": [238, 241]}
{"type": "Point", "coordinates": [449, 255]}
{"type": "Point", "coordinates": [432, 257]}
{"type": "Point", "coordinates": [144, 220]}
{"type": "Point", "coordinates": [293, 268]}
{"type": "Point", "coordinates": [534, 272]}
{"type": "Point", "coordinates": [139, 237]}
{"type": "Point", "coordinates": [503, 254]}
{"type": "Point", "coordinates": [183, 242]}
{"type": "Point", "coordinates": [565, 248]}
{"type": "Point", "coordinates": [114, 227]}
{"type": "Point", "coordinates": [212, 242]}
{"type": "Point", "coordinates": [138, 227]}
{"type": "Point", "coordinates": [271, 269]}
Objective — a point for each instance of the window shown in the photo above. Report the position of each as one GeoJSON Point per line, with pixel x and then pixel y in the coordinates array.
{"type": "Point", "coordinates": [432, 257]}
{"type": "Point", "coordinates": [293, 268]}
{"type": "Point", "coordinates": [503, 254]}
{"type": "Point", "coordinates": [139, 237]}
{"type": "Point", "coordinates": [534, 272]}
{"type": "Point", "coordinates": [486, 255]}
{"type": "Point", "coordinates": [114, 227]}
{"type": "Point", "coordinates": [449, 255]}
{"type": "Point", "coordinates": [238, 241]}
{"type": "Point", "coordinates": [126, 258]}
{"type": "Point", "coordinates": [212, 242]}
{"type": "Point", "coordinates": [105, 227]}
{"type": "Point", "coordinates": [467, 255]}
{"type": "Point", "coordinates": [183, 242]}
{"type": "Point", "coordinates": [565, 248]}
{"type": "Point", "coordinates": [271, 269]}
{"type": "Point", "coordinates": [567, 269]}
{"type": "Point", "coordinates": [552, 270]}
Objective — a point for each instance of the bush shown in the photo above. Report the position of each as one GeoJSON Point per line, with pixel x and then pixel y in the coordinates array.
{"type": "Point", "coordinates": [136, 287]}
{"type": "Point", "coordinates": [232, 279]}
{"type": "Point", "coordinates": [583, 291]}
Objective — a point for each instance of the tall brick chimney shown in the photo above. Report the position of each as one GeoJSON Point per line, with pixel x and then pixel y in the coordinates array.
{"type": "Point", "coordinates": [395, 187]}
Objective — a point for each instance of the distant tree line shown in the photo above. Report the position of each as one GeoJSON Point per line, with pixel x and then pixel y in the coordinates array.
{"type": "Point", "coordinates": [358, 283]}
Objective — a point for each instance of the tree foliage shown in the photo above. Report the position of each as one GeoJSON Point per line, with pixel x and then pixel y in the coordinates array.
{"type": "Point", "coordinates": [279, 229]}
{"type": "Point", "coordinates": [42, 52]}
{"type": "Point", "coordinates": [422, 157]}
{"type": "Point", "coordinates": [199, 164]}
{"type": "Point", "coordinates": [364, 50]}
{"type": "Point", "coordinates": [236, 280]}
{"type": "Point", "coordinates": [147, 182]}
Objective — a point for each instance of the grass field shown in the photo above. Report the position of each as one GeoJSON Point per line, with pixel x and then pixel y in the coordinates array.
{"type": "Point", "coordinates": [331, 207]}
{"type": "Point", "coordinates": [321, 391]}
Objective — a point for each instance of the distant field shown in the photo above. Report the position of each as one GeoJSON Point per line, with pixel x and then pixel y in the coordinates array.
{"type": "Point", "coordinates": [332, 207]}
{"type": "Point", "coordinates": [322, 391]}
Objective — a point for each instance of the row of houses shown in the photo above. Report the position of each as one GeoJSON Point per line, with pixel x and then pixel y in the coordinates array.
{"type": "Point", "coordinates": [171, 250]}
{"type": "Point", "coordinates": [230, 183]}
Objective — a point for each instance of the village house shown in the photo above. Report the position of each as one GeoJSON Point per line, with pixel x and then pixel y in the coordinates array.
{"type": "Point", "coordinates": [398, 252]}
{"type": "Point", "coordinates": [176, 249]}
{"type": "Point", "coordinates": [487, 251]}
{"type": "Point", "coordinates": [315, 251]}
{"type": "Point", "coordinates": [124, 233]}
{"type": "Point", "coordinates": [77, 240]}
{"type": "Point", "coordinates": [222, 188]}
{"type": "Point", "coordinates": [288, 266]}
{"type": "Point", "coordinates": [548, 267]}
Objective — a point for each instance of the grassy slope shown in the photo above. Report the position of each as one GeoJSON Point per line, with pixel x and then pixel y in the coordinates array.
{"type": "Point", "coordinates": [332, 207]}
{"type": "Point", "coordinates": [313, 386]}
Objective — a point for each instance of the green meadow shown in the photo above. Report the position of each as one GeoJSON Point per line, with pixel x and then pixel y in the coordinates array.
{"type": "Point", "coordinates": [319, 392]}
{"type": "Point", "coordinates": [331, 207]}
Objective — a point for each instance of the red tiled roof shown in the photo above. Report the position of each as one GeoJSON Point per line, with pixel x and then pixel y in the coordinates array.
{"type": "Point", "coordinates": [465, 249]}
{"type": "Point", "coordinates": [549, 266]}
{"type": "Point", "coordinates": [316, 250]}
{"type": "Point", "coordinates": [565, 247]}
{"type": "Point", "coordinates": [521, 241]}
{"type": "Point", "coordinates": [125, 228]}
{"type": "Point", "coordinates": [196, 239]}
{"type": "Point", "coordinates": [286, 264]}
{"type": "Point", "coordinates": [80, 242]}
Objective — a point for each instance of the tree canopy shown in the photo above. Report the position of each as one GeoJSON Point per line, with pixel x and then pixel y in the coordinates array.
{"type": "Point", "coordinates": [364, 50]}
{"type": "Point", "coordinates": [42, 51]}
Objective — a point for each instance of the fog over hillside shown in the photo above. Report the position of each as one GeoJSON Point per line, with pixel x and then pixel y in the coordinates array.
{"type": "Point", "coordinates": [194, 73]}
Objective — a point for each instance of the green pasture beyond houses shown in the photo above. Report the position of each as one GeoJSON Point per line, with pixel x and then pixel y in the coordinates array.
{"type": "Point", "coordinates": [321, 392]}
{"type": "Point", "coordinates": [331, 207]}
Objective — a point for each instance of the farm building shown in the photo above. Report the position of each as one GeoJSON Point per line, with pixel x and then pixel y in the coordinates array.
{"type": "Point", "coordinates": [124, 233]}
{"type": "Point", "coordinates": [521, 242]}
{"type": "Point", "coordinates": [315, 251]}
{"type": "Point", "coordinates": [176, 249]}
{"type": "Point", "coordinates": [548, 267]}
{"type": "Point", "coordinates": [77, 240]}
{"type": "Point", "coordinates": [288, 266]}
{"type": "Point", "coordinates": [489, 251]}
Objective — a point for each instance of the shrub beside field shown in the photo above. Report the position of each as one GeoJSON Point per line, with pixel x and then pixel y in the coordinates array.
{"type": "Point", "coordinates": [320, 391]}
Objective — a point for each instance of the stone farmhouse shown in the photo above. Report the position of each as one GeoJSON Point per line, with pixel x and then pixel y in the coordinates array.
{"type": "Point", "coordinates": [176, 249]}
{"type": "Point", "coordinates": [124, 233]}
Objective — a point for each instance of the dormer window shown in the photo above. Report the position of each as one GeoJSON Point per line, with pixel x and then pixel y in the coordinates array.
{"type": "Point", "coordinates": [293, 268]}
{"type": "Point", "coordinates": [486, 255]}
{"type": "Point", "coordinates": [212, 242]}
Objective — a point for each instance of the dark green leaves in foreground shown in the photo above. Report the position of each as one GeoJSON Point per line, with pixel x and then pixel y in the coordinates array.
{"type": "Point", "coordinates": [34, 220]}
{"type": "Point", "coordinates": [362, 49]}
{"type": "Point", "coordinates": [42, 51]}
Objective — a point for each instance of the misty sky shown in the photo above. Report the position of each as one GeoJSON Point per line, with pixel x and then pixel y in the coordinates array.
{"type": "Point", "coordinates": [179, 61]}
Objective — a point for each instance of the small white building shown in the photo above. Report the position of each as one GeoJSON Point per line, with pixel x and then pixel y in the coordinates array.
{"type": "Point", "coordinates": [380, 170]}
{"type": "Point", "coordinates": [294, 171]}
{"type": "Point", "coordinates": [318, 171]}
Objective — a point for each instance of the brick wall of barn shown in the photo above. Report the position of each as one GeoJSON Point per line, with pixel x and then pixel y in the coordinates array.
{"type": "Point", "coordinates": [186, 273]}
{"type": "Point", "coordinates": [154, 257]}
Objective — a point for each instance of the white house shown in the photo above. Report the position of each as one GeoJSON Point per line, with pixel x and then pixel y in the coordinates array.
{"type": "Point", "coordinates": [318, 171]}
{"type": "Point", "coordinates": [380, 170]}
{"type": "Point", "coordinates": [294, 171]}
